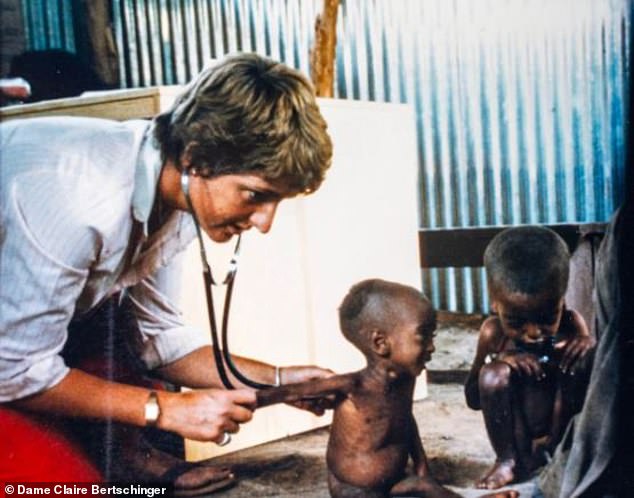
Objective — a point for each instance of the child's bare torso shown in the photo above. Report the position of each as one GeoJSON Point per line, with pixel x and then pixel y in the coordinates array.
{"type": "Point", "coordinates": [371, 433]}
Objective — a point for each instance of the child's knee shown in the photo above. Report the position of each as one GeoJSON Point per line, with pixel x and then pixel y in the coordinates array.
{"type": "Point", "coordinates": [495, 376]}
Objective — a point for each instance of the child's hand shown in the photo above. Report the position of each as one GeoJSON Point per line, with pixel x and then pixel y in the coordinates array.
{"type": "Point", "coordinates": [574, 350]}
{"type": "Point", "coordinates": [523, 363]}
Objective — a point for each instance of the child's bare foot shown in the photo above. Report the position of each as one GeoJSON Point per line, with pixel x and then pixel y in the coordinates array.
{"type": "Point", "coordinates": [421, 486]}
{"type": "Point", "coordinates": [502, 473]}
{"type": "Point", "coordinates": [507, 493]}
{"type": "Point", "coordinates": [143, 462]}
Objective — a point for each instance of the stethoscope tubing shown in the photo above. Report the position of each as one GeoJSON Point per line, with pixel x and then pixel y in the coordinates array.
{"type": "Point", "coordinates": [221, 356]}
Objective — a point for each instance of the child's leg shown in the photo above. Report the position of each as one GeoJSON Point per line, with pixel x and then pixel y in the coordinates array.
{"type": "Point", "coordinates": [340, 489]}
{"type": "Point", "coordinates": [571, 390]}
{"type": "Point", "coordinates": [421, 486]}
{"type": "Point", "coordinates": [427, 487]}
{"type": "Point", "coordinates": [504, 423]}
{"type": "Point", "coordinates": [536, 401]}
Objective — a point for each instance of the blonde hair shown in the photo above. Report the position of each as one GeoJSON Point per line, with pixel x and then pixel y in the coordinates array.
{"type": "Point", "coordinates": [249, 114]}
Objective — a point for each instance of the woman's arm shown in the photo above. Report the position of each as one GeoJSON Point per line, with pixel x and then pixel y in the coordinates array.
{"type": "Point", "coordinates": [181, 353]}
{"type": "Point", "coordinates": [198, 369]}
{"type": "Point", "coordinates": [202, 415]}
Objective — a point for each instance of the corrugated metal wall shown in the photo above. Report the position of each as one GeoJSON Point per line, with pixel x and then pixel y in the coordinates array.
{"type": "Point", "coordinates": [49, 24]}
{"type": "Point", "coordinates": [520, 104]}
{"type": "Point", "coordinates": [168, 41]}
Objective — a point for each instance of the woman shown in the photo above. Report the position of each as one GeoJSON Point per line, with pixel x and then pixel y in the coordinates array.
{"type": "Point", "coordinates": [91, 208]}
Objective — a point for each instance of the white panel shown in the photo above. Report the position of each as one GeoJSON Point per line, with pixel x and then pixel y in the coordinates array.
{"type": "Point", "coordinates": [361, 224]}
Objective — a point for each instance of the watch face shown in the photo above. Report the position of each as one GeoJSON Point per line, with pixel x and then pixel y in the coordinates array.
{"type": "Point", "coordinates": [152, 409]}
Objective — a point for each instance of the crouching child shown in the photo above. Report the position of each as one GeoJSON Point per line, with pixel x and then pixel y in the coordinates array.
{"type": "Point", "coordinates": [532, 361]}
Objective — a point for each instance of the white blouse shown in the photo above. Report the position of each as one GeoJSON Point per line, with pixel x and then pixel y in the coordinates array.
{"type": "Point", "coordinates": [75, 199]}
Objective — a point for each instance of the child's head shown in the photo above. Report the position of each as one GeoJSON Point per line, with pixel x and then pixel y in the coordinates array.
{"type": "Point", "coordinates": [527, 273]}
{"type": "Point", "coordinates": [391, 321]}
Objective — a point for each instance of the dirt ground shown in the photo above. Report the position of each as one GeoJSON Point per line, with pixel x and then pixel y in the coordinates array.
{"type": "Point", "coordinates": [453, 436]}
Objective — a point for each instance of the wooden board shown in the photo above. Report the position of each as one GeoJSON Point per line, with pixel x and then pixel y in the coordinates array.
{"type": "Point", "coordinates": [112, 104]}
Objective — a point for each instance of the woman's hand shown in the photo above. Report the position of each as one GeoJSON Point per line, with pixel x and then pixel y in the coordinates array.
{"type": "Point", "coordinates": [296, 374]}
{"type": "Point", "coordinates": [205, 414]}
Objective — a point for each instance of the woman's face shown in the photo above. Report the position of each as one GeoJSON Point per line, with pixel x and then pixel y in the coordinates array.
{"type": "Point", "coordinates": [230, 204]}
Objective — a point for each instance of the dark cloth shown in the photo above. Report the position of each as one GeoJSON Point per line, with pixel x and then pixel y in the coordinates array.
{"type": "Point", "coordinates": [54, 74]}
{"type": "Point", "coordinates": [99, 344]}
{"type": "Point", "coordinates": [587, 462]}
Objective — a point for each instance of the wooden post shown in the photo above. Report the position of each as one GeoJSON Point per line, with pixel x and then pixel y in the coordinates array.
{"type": "Point", "coordinates": [322, 55]}
{"type": "Point", "coordinates": [96, 45]}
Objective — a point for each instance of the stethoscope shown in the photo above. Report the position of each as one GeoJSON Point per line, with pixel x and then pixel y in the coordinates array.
{"type": "Point", "coordinates": [223, 356]}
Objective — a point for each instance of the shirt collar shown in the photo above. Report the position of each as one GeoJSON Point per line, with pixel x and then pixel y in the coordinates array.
{"type": "Point", "coordinates": [148, 171]}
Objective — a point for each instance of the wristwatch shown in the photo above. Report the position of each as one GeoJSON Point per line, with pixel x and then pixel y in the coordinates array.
{"type": "Point", "coordinates": [152, 410]}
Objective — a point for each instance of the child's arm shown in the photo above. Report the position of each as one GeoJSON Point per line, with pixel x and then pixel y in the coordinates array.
{"type": "Point", "coordinates": [317, 388]}
{"type": "Point", "coordinates": [578, 344]}
{"type": "Point", "coordinates": [417, 452]}
{"type": "Point", "coordinates": [490, 335]}
{"type": "Point", "coordinates": [570, 391]}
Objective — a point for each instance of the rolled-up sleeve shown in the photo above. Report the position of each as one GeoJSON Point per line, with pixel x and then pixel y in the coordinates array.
{"type": "Point", "coordinates": [162, 335]}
